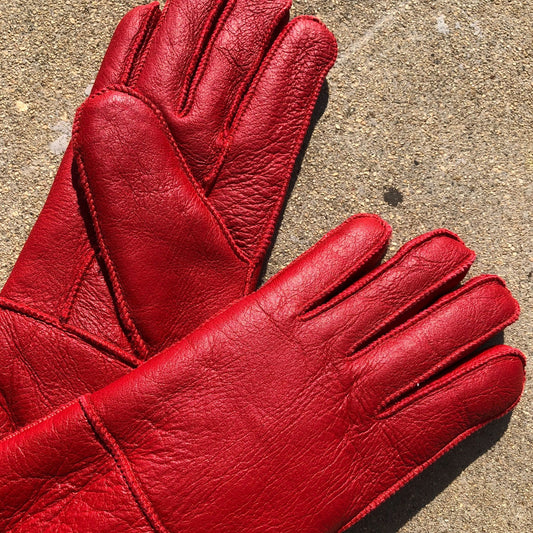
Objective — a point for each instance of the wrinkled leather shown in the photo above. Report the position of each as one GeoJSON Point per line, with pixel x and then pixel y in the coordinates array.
{"type": "Point", "coordinates": [298, 409]}
{"type": "Point", "coordinates": [234, 84]}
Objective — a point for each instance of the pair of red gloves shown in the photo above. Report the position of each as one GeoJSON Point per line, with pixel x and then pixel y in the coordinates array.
{"type": "Point", "coordinates": [298, 408]}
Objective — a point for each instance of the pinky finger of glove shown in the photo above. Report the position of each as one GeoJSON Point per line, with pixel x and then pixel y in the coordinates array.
{"type": "Point", "coordinates": [436, 418]}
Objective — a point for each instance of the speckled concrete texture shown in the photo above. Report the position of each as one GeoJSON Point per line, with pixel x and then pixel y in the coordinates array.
{"type": "Point", "coordinates": [429, 124]}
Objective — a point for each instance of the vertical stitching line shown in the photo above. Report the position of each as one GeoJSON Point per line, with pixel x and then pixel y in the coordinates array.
{"type": "Point", "coordinates": [137, 56]}
{"type": "Point", "coordinates": [66, 309]}
{"type": "Point", "coordinates": [112, 447]}
{"type": "Point", "coordinates": [4, 407]}
{"type": "Point", "coordinates": [124, 311]}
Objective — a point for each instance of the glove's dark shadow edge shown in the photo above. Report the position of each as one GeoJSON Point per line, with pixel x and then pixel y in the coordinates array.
{"type": "Point", "coordinates": [319, 110]}
{"type": "Point", "coordinates": [394, 513]}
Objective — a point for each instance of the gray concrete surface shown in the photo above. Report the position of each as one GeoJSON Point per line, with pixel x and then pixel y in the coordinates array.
{"type": "Point", "coordinates": [428, 124]}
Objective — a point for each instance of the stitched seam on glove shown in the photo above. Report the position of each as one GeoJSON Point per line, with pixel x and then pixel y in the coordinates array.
{"type": "Point", "coordinates": [132, 92]}
{"type": "Point", "coordinates": [108, 349]}
{"type": "Point", "coordinates": [446, 300]}
{"type": "Point", "coordinates": [215, 24]}
{"type": "Point", "coordinates": [214, 213]}
{"type": "Point", "coordinates": [85, 264]}
{"type": "Point", "coordinates": [245, 84]}
{"type": "Point", "coordinates": [135, 49]}
{"type": "Point", "coordinates": [389, 407]}
{"type": "Point", "coordinates": [112, 448]}
{"type": "Point", "coordinates": [26, 427]}
{"type": "Point", "coordinates": [395, 402]}
{"type": "Point", "coordinates": [413, 473]}
{"type": "Point", "coordinates": [137, 57]}
{"type": "Point", "coordinates": [129, 324]}
{"type": "Point", "coordinates": [260, 67]}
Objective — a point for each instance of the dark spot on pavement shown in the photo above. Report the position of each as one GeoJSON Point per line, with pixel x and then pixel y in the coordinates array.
{"type": "Point", "coordinates": [393, 196]}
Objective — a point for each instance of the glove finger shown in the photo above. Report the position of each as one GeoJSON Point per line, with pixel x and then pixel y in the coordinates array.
{"type": "Point", "coordinates": [475, 392]}
{"type": "Point", "coordinates": [175, 50]}
{"type": "Point", "coordinates": [421, 271]}
{"type": "Point", "coordinates": [243, 35]}
{"type": "Point", "coordinates": [128, 41]}
{"type": "Point", "coordinates": [426, 424]}
{"type": "Point", "coordinates": [268, 132]}
{"type": "Point", "coordinates": [437, 338]}
{"type": "Point", "coordinates": [169, 260]}
{"type": "Point", "coordinates": [344, 254]}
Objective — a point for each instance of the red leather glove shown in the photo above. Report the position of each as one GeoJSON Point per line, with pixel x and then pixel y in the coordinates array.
{"type": "Point", "coordinates": [235, 86]}
{"type": "Point", "coordinates": [298, 409]}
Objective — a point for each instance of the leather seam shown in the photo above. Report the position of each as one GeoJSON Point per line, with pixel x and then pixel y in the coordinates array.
{"type": "Point", "coordinates": [113, 352]}
{"type": "Point", "coordinates": [430, 291]}
{"type": "Point", "coordinates": [415, 471]}
{"type": "Point", "coordinates": [137, 56]}
{"type": "Point", "coordinates": [310, 312]}
{"type": "Point", "coordinates": [215, 24]}
{"type": "Point", "coordinates": [254, 70]}
{"type": "Point", "coordinates": [123, 465]}
{"type": "Point", "coordinates": [440, 304]}
{"type": "Point", "coordinates": [129, 324]}
{"type": "Point", "coordinates": [142, 59]}
{"type": "Point", "coordinates": [66, 309]}
{"type": "Point", "coordinates": [26, 427]}
{"type": "Point", "coordinates": [270, 46]}
{"type": "Point", "coordinates": [128, 67]}
{"type": "Point", "coordinates": [314, 247]}
{"type": "Point", "coordinates": [386, 410]}
{"type": "Point", "coordinates": [248, 97]}
{"type": "Point", "coordinates": [197, 52]}
{"type": "Point", "coordinates": [269, 225]}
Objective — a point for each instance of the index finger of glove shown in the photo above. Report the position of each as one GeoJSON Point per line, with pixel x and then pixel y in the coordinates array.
{"type": "Point", "coordinates": [344, 254]}
{"type": "Point", "coordinates": [266, 136]}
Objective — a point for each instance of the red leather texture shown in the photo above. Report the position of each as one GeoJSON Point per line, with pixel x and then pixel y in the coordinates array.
{"type": "Point", "coordinates": [298, 409]}
{"type": "Point", "coordinates": [234, 85]}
